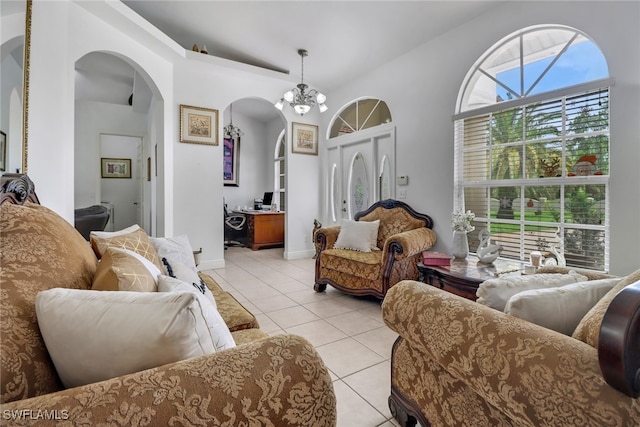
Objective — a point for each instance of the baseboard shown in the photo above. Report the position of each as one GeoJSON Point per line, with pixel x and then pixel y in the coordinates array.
{"type": "Point", "coordinates": [211, 264]}
{"type": "Point", "coordinates": [299, 254]}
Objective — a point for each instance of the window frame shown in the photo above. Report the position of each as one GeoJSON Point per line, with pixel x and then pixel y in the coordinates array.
{"type": "Point", "coordinates": [524, 183]}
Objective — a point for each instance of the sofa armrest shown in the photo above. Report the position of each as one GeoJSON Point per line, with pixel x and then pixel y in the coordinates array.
{"type": "Point", "coordinates": [280, 379]}
{"type": "Point", "coordinates": [325, 238]}
{"type": "Point", "coordinates": [409, 243]}
{"type": "Point", "coordinates": [529, 372]}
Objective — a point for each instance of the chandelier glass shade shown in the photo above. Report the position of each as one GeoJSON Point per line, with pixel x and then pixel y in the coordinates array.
{"type": "Point", "coordinates": [300, 98]}
{"type": "Point", "coordinates": [231, 131]}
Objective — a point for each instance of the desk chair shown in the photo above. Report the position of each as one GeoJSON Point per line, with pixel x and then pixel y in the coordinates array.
{"type": "Point", "coordinates": [234, 227]}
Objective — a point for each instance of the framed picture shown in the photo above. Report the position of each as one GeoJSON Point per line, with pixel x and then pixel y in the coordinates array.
{"type": "Point", "coordinates": [3, 151]}
{"type": "Point", "coordinates": [231, 161]}
{"type": "Point", "coordinates": [116, 168]}
{"type": "Point", "coordinates": [198, 125]}
{"type": "Point", "coordinates": [305, 138]}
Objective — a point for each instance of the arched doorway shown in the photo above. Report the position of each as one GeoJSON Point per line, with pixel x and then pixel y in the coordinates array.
{"type": "Point", "coordinates": [118, 120]}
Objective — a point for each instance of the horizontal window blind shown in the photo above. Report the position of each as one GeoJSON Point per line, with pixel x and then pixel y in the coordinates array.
{"type": "Point", "coordinates": [537, 177]}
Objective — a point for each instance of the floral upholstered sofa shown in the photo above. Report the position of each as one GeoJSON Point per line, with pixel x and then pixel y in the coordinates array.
{"type": "Point", "coordinates": [399, 236]}
{"type": "Point", "coordinates": [461, 363]}
{"type": "Point", "coordinates": [262, 381]}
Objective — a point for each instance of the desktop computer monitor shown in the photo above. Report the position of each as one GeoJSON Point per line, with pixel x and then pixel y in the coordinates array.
{"type": "Point", "coordinates": [267, 198]}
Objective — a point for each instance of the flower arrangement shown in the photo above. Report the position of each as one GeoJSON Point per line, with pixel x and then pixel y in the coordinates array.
{"type": "Point", "coordinates": [461, 221]}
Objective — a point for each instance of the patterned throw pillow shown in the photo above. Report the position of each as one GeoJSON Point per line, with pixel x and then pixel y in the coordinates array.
{"type": "Point", "coordinates": [124, 270]}
{"type": "Point", "coordinates": [133, 238]}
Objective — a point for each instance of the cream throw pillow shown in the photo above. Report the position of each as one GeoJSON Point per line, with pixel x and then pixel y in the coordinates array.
{"type": "Point", "coordinates": [358, 236]}
{"type": "Point", "coordinates": [218, 329]}
{"type": "Point", "coordinates": [93, 336]}
{"type": "Point", "coordinates": [185, 274]}
{"type": "Point", "coordinates": [562, 308]}
{"type": "Point", "coordinates": [496, 292]}
{"type": "Point", "coordinates": [175, 249]}
{"type": "Point", "coordinates": [125, 270]}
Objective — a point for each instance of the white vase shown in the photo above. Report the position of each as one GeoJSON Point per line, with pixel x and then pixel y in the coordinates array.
{"type": "Point", "coordinates": [460, 245]}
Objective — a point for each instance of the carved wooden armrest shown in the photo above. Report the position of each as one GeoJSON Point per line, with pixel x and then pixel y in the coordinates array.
{"type": "Point", "coordinates": [324, 238]}
{"type": "Point", "coordinates": [619, 342]}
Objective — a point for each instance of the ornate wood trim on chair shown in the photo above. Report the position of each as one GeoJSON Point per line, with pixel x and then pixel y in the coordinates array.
{"type": "Point", "coordinates": [391, 204]}
{"type": "Point", "coordinates": [17, 189]}
{"type": "Point", "coordinates": [619, 342]}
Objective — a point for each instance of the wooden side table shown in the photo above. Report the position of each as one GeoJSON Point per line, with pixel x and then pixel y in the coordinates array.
{"type": "Point", "coordinates": [462, 277]}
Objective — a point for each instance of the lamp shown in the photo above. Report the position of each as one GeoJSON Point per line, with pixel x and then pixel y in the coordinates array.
{"type": "Point", "coordinates": [298, 97]}
{"type": "Point", "coordinates": [231, 131]}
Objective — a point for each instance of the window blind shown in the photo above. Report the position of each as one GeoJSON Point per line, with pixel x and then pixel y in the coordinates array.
{"type": "Point", "coordinates": [537, 177]}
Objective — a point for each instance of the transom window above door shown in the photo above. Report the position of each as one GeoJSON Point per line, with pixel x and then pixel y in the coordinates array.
{"type": "Point", "coordinates": [361, 114]}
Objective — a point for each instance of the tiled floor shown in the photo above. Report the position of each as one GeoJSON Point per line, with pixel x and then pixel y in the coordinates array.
{"type": "Point", "coordinates": [348, 332]}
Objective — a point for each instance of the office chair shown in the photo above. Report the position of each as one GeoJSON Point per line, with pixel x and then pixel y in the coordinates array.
{"type": "Point", "coordinates": [234, 227]}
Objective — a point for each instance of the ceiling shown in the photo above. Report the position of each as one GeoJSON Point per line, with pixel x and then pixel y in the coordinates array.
{"type": "Point", "coordinates": [344, 39]}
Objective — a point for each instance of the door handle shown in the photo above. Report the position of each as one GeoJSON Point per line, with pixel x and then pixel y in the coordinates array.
{"type": "Point", "coordinates": [344, 209]}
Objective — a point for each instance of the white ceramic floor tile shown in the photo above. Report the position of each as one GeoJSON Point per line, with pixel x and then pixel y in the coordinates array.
{"type": "Point", "coordinates": [292, 316]}
{"type": "Point", "coordinates": [353, 323]}
{"type": "Point", "coordinates": [347, 356]}
{"type": "Point", "coordinates": [273, 303]}
{"type": "Point", "coordinates": [318, 333]}
{"type": "Point", "coordinates": [374, 385]}
{"type": "Point", "coordinates": [353, 410]}
{"type": "Point", "coordinates": [379, 340]}
{"type": "Point", "coordinates": [329, 308]}
{"type": "Point", "coordinates": [347, 331]}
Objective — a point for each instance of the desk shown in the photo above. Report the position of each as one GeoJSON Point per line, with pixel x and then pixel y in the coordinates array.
{"type": "Point", "coordinates": [264, 229]}
{"type": "Point", "coordinates": [462, 277]}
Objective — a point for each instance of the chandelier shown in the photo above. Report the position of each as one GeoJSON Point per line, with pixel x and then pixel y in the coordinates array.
{"type": "Point", "coordinates": [231, 131]}
{"type": "Point", "coordinates": [298, 97]}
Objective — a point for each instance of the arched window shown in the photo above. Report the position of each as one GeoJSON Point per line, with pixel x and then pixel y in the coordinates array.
{"type": "Point", "coordinates": [532, 146]}
{"type": "Point", "coordinates": [279, 172]}
{"type": "Point", "coordinates": [361, 114]}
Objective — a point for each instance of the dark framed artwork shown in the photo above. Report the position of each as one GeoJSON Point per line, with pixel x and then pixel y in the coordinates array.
{"type": "Point", "coordinates": [115, 168]}
{"type": "Point", "coordinates": [231, 161]}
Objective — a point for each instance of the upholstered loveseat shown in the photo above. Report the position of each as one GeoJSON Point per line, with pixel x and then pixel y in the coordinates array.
{"type": "Point", "coordinates": [461, 363]}
{"type": "Point", "coordinates": [270, 381]}
{"type": "Point", "coordinates": [401, 237]}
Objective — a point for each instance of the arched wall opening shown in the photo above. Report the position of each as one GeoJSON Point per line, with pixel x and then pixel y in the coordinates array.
{"type": "Point", "coordinates": [117, 106]}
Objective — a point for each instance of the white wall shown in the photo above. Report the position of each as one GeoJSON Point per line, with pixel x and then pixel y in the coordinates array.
{"type": "Point", "coordinates": [91, 119]}
{"type": "Point", "coordinates": [190, 179]}
{"type": "Point", "coordinates": [422, 86]}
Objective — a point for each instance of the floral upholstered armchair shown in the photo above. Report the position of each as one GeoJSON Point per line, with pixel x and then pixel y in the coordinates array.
{"type": "Point", "coordinates": [395, 250]}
